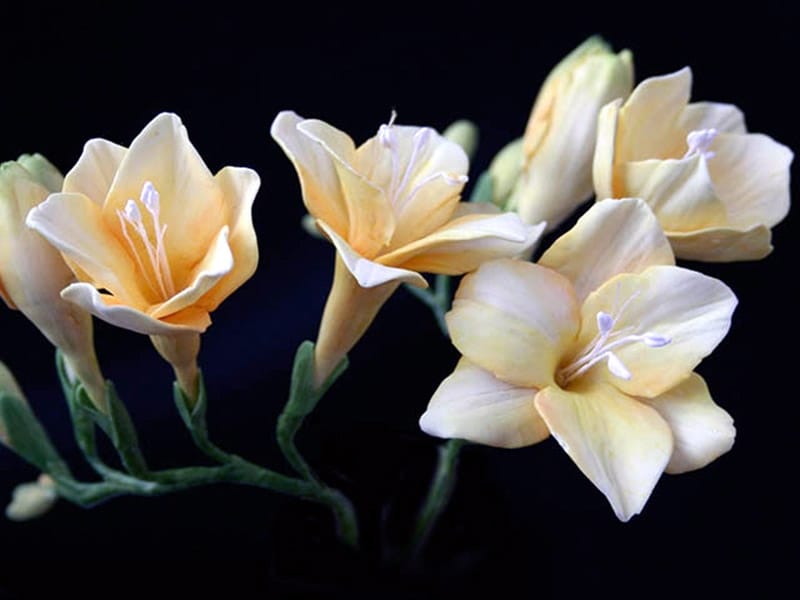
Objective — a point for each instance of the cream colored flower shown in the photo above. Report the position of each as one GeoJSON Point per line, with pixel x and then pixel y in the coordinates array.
{"type": "Point", "coordinates": [716, 189]}
{"type": "Point", "coordinates": [596, 344]}
{"type": "Point", "coordinates": [156, 240]}
{"type": "Point", "coordinates": [391, 208]}
{"type": "Point", "coordinates": [33, 273]}
{"type": "Point", "coordinates": [556, 163]}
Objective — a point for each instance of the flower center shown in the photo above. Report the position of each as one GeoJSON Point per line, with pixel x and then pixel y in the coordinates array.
{"type": "Point", "coordinates": [602, 347]}
{"type": "Point", "coordinates": [158, 276]}
{"type": "Point", "coordinates": [699, 142]}
{"type": "Point", "coordinates": [402, 170]}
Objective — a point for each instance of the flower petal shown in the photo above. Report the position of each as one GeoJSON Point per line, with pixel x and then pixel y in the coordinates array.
{"type": "Point", "coordinates": [367, 272]}
{"type": "Point", "coordinates": [370, 220]}
{"type": "Point", "coordinates": [680, 192]}
{"type": "Point", "coordinates": [751, 176]}
{"type": "Point", "coordinates": [702, 430]}
{"type": "Point", "coordinates": [422, 174]}
{"type": "Point", "coordinates": [693, 311]}
{"type": "Point", "coordinates": [605, 152]}
{"type": "Point", "coordinates": [217, 263]}
{"type": "Point", "coordinates": [514, 319]}
{"type": "Point", "coordinates": [722, 244]}
{"type": "Point", "coordinates": [319, 181]}
{"type": "Point", "coordinates": [474, 405]}
{"type": "Point", "coordinates": [94, 172]}
{"type": "Point", "coordinates": [191, 202]}
{"type": "Point", "coordinates": [111, 310]}
{"type": "Point", "coordinates": [239, 188]}
{"type": "Point", "coordinates": [725, 118]}
{"type": "Point", "coordinates": [466, 242]}
{"type": "Point", "coordinates": [648, 119]}
{"type": "Point", "coordinates": [612, 237]}
{"type": "Point", "coordinates": [74, 224]}
{"type": "Point", "coordinates": [620, 444]}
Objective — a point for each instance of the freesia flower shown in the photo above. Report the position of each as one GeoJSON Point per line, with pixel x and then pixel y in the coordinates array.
{"type": "Point", "coordinates": [33, 273]}
{"type": "Point", "coordinates": [156, 240]}
{"type": "Point", "coordinates": [716, 189]}
{"type": "Point", "coordinates": [555, 174]}
{"type": "Point", "coordinates": [391, 208]}
{"type": "Point", "coordinates": [595, 345]}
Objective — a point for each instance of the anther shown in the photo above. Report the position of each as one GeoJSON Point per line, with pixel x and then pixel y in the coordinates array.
{"type": "Point", "coordinates": [699, 141]}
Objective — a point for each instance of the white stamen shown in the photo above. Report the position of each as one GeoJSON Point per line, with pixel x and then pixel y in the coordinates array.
{"type": "Point", "coordinates": [617, 368]}
{"type": "Point", "coordinates": [604, 342]}
{"type": "Point", "coordinates": [385, 134]}
{"type": "Point", "coordinates": [605, 322]}
{"type": "Point", "coordinates": [157, 255]}
{"type": "Point", "coordinates": [421, 138]}
{"type": "Point", "coordinates": [655, 340]}
{"type": "Point", "coordinates": [132, 213]}
{"type": "Point", "coordinates": [699, 141]}
{"type": "Point", "coordinates": [150, 198]}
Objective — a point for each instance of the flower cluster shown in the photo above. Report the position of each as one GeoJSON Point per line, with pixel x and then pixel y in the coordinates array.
{"type": "Point", "coordinates": [595, 341]}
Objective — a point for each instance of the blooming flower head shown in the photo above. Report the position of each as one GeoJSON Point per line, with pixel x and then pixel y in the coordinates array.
{"type": "Point", "coordinates": [555, 173]}
{"type": "Point", "coordinates": [391, 208]}
{"type": "Point", "coordinates": [156, 240]}
{"type": "Point", "coordinates": [596, 345]}
{"type": "Point", "coordinates": [716, 189]}
{"type": "Point", "coordinates": [33, 273]}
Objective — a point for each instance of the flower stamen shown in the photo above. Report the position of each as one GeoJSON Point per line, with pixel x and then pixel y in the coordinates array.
{"type": "Point", "coordinates": [156, 253]}
{"type": "Point", "coordinates": [602, 346]}
{"type": "Point", "coordinates": [699, 141]}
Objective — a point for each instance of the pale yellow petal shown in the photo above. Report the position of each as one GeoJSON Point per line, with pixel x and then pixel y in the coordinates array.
{"type": "Point", "coordinates": [680, 192]}
{"type": "Point", "coordinates": [31, 270]}
{"type": "Point", "coordinates": [751, 176]}
{"type": "Point", "coordinates": [94, 172]}
{"type": "Point", "coordinates": [472, 404]}
{"type": "Point", "coordinates": [690, 310]}
{"type": "Point", "coordinates": [191, 203]}
{"type": "Point", "coordinates": [722, 244]}
{"type": "Point", "coordinates": [217, 263]}
{"type": "Point", "coordinates": [109, 309]}
{"type": "Point", "coordinates": [43, 171]}
{"type": "Point", "coordinates": [702, 430]}
{"type": "Point", "coordinates": [725, 118]}
{"type": "Point", "coordinates": [619, 443]}
{"type": "Point", "coordinates": [605, 152]}
{"type": "Point", "coordinates": [557, 175]}
{"type": "Point", "coordinates": [648, 121]}
{"type": "Point", "coordinates": [514, 319]}
{"type": "Point", "coordinates": [371, 223]}
{"type": "Point", "coordinates": [75, 225]}
{"type": "Point", "coordinates": [369, 273]}
{"type": "Point", "coordinates": [239, 187]}
{"type": "Point", "coordinates": [322, 193]}
{"type": "Point", "coordinates": [466, 242]}
{"type": "Point", "coordinates": [612, 237]}
{"type": "Point", "coordinates": [421, 173]}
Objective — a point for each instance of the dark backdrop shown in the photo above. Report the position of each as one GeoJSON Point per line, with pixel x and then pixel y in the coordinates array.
{"type": "Point", "coordinates": [522, 520]}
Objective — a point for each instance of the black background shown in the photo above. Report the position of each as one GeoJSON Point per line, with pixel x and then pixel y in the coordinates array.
{"type": "Point", "coordinates": [523, 521]}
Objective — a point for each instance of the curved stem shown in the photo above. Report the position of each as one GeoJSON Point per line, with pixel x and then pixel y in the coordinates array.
{"type": "Point", "coordinates": [439, 493]}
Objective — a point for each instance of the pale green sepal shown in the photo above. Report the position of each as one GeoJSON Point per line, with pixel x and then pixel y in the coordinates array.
{"type": "Point", "coordinates": [465, 134]}
{"type": "Point", "coordinates": [27, 437]}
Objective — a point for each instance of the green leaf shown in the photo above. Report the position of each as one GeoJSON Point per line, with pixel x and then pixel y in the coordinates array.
{"type": "Point", "coordinates": [123, 433]}
{"type": "Point", "coordinates": [27, 437]}
{"type": "Point", "coordinates": [482, 191]}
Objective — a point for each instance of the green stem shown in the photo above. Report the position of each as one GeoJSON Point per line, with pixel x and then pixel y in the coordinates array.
{"type": "Point", "coordinates": [437, 300]}
{"type": "Point", "coordinates": [439, 493]}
